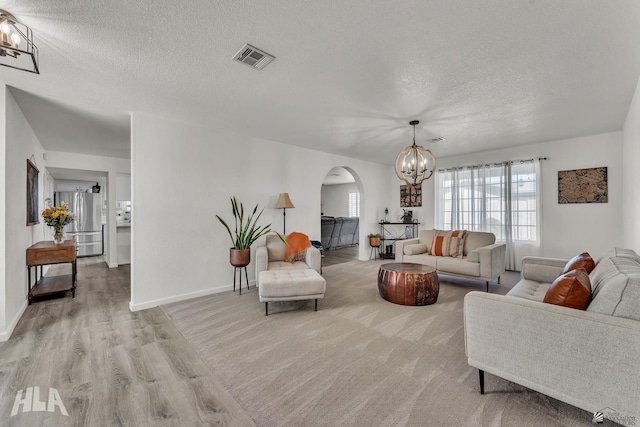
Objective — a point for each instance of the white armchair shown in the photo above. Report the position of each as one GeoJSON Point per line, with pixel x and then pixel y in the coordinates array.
{"type": "Point", "coordinates": [271, 257]}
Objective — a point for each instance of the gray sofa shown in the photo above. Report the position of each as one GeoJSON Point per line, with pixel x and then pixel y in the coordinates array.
{"type": "Point", "coordinates": [338, 232]}
{"type": "Point", "coordinates": [482, 258]}
{"type": "Point", "coordinates": [589, 359]}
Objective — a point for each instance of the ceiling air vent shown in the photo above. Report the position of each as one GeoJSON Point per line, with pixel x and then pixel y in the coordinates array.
{"type": "Point", "coordinates": [253, 57]}
{"type": "Point", "coordinates": [438, 139]}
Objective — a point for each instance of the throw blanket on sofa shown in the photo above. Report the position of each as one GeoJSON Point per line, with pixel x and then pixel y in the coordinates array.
{"type": "Point", "coordinates": [297, 244]}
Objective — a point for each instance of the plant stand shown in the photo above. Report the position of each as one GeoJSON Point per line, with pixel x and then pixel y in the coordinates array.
{"type": "Point", "coordinates": [238, 270]}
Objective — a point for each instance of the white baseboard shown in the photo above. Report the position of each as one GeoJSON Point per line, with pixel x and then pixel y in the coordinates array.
{"type": "Point", "coordinates": [182, 297]}
{"type": "Point", "coordinates": [4, 336]}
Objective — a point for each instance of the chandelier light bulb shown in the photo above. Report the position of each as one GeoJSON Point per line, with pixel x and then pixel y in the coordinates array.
{"type": "Point", "coordinates": [15, 40]}
{"type": "Point", "coordinates": [5, 27]}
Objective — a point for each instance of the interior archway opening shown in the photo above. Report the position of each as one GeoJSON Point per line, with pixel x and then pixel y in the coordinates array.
{"type": "Point", "coordinates": [341, 204]}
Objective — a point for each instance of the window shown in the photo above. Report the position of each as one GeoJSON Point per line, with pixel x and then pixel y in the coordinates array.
{"type": "Point", "coordinates": [354, 204]}
{"type": "Point", "coordinates": [501, 199]}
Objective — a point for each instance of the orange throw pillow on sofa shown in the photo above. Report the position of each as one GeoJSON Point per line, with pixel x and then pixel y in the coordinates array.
{"type": "Point", "coordinates": [583, 260]}
{"type": "Point", "coordinates": [572, 289]}
{"type": "Point", "coordinates": [297, 244]}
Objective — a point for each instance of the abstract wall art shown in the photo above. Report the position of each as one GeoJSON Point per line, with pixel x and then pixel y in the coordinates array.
{"type": "Point", "coordinates": [583, 186]}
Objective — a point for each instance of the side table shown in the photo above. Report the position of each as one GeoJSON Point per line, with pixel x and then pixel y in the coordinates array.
{"type": "Point", "coordinates": [46, 253]}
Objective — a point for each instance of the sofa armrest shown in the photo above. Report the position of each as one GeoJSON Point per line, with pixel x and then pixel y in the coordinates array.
{"type": "Point", "coordinates": [262, 262]}
{"type": "Point", "coordinates": [313, 258]}
{"type": "Point", "coordinates": [400, 244]}
{"type": "Point", "coordinates": [542, 269]}
{"type": "Point", "coordinates": [586, 359]}
{"type": "Point", "coordinates": [493, 259]}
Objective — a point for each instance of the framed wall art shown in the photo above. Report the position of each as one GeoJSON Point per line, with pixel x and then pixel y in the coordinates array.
{"type": "Point", "coordinates": [583, 186]}
{"type": "Point", "coordinates": [410, 196]}
{"type": "Point", "coordinates": [33, 213]}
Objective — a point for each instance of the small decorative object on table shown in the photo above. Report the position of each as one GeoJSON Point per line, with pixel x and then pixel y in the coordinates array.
{"type": "Point", "coordinates": [57, 217]}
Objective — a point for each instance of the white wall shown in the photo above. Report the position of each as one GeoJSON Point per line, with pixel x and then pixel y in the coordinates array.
{"type": "Point", "coordinates": [631, 174]}
{"type": "Point", "coordinates": [567, 229]}
{"type": "Point", "coordinates": [112, 166]}
{"type": "Point", "coordinates": [20, 144]}
{"type": "Point", "coordinates": [335, 199]}
{"type": "Point", "coordinates": [4, 332]}
{"type": "Point", "coordinates": [123, 186]}
{"type": "Point", "coordinates": [179, 250]}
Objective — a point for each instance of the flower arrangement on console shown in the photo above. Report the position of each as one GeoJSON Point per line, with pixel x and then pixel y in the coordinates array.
{"type": "Point", "coordinates": [57, 217]}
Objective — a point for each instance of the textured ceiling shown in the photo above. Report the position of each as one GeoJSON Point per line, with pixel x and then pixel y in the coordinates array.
{"type": "Point", "coordinates": [348, 76]}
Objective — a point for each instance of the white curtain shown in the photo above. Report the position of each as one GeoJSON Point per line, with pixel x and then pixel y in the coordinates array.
{"type": "Point", "coordinates": [502, 198]}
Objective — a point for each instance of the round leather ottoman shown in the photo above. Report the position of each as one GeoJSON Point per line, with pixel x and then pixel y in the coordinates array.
{"type": "Point", "coordinates": [408, 283]}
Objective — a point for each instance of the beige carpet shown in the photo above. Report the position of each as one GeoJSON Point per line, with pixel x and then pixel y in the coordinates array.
{"type": "Point", "coordinates": [359, 360]}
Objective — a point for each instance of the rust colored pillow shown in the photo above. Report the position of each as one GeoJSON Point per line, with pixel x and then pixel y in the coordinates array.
{"type": "Point", "coordinates": [297, 244]}
{"type": "Point", "coordinates": [583, 260]}
{"type": "Point", "coordinates": [572, 289]}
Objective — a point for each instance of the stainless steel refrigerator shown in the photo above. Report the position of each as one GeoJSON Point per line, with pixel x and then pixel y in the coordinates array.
{"type": "Point", "coordinates": [87, 230]}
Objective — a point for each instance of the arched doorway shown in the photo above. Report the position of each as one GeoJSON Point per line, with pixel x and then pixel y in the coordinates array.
{"type": "Point", "coordinates": [340, 207]}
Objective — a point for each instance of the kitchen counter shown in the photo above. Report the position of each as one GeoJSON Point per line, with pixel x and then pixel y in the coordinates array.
{"type": "Point", "coordinates": [123, 232]}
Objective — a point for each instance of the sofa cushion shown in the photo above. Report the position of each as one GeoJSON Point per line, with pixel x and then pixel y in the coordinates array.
{"type": "Point", "coordinates": [426, 237]}
{"type": "Point", "coordinates": [418, 248]}
{"type": "Point", "coordinates": [426, 259]}
{"type": "Point", "coordinates": [530, 289]}
{"type": "Point", "coordinates": [476, 239]}
{"type": "Point", "coordinates": [462, 234]}
{"type": "Point", "coordinates": [284, 265]}
{"type": "Point", "coordinates": [582, 260]}
{"type": "Point", "coordinates": [620, 253]}
{"type": "Point", "coordinates": [445, 245]}
{"type": "Point", "coordinates": [458, 266]}
{"type": "Point", "coordinates": [616, 288]}
{"type": "Point", "coordinates": [608, 268]}
{"type": "Point", "coordinates": [473, 256]}
{"type": "Point", "coordinates": [571, 289]}
{"type": "Point", "coordinates": [275, 248]}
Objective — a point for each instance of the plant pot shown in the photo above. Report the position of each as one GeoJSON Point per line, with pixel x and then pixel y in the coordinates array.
{"type": "Point", "coordinates": [374, 242]}
{"type": "Point", "coordinates": [239, 257]}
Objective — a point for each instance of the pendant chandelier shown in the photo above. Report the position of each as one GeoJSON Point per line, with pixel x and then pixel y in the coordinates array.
{"type": "Point", "coordinates": [414, 164]}
{"type": "Point", "coordinates": [16, 44]}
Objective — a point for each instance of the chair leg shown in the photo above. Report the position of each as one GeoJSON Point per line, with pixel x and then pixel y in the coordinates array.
{"type": "Point", "coordinates": [266, 308]}
{"type": "Point", "coordinates": [481, 374]}
{"type": "Point", "coordinates": [487, 286]}
{"type": "Point", "coordinates": [498, 280]}
{"type": "Point", "coordinates": [316, 309]}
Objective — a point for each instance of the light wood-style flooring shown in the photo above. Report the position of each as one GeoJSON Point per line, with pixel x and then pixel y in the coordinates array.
{"type": "Point", "coordinates": [111, 367]}
{"type": "Point", "coordinates": [339, 256]}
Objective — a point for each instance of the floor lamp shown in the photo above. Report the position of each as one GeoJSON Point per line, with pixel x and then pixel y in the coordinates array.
{"type": "Point", "coordinates": [284, 202]}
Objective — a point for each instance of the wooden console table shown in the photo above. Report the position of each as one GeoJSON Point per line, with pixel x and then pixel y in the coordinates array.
{"type": "Point", "coordinates": [45, 253]}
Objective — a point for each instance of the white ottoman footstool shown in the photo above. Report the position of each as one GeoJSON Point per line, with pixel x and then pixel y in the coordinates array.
{"type": "Point", "coordinates": [290, 285]}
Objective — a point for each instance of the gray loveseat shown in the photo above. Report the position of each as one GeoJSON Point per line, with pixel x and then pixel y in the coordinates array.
{"type": "Point", "coordinates": [589, 359]}
{"type": "Point", "coordinates": [482, 258]}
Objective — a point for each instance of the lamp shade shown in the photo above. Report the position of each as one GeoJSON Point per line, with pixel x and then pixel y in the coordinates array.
{"type": "Point", "coordinates": [284, 201]}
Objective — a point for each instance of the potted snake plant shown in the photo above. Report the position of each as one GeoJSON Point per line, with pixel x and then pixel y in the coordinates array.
{"type": "Point", "coordinates": [245, 233]}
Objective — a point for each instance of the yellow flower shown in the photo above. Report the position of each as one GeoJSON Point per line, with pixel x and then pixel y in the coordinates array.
{"type": "Point", "coordinates": [55, 215]}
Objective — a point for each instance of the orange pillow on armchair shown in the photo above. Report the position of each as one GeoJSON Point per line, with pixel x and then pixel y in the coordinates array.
{"type": "Point", "coordinates": [297, 244]}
